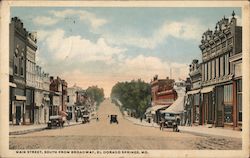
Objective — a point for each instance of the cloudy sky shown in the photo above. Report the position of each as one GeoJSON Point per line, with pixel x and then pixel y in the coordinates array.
{"type": "Point", "coordinates": [101, 46]}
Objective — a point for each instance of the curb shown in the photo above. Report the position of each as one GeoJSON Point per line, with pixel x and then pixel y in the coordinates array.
{"type": "Point", "coordinates": [206, 134]}
{"type": "Point", "coordinates": [26, 131]}
{"type": "Point", "coordinates": [35, 130]}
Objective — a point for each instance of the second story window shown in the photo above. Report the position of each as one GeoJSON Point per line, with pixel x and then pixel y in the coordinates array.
{"type": "Point", "coordinates": [15, 69]}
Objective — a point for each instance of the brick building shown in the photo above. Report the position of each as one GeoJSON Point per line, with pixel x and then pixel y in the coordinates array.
{"type": "Point", "coordinates": [58, 95]}
{"type": "Point", "coordinates": [163, 95]}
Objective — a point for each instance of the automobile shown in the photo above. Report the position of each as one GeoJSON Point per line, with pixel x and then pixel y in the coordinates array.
{"type": "Point", "coordinates": [55, 121]}
{"type": "Point", "coordinates": [85, 116]}
{"type": "Point", "coordinates": [85, 119]}
{"type": "Point", "coordinates": [170, 120]}
{"type": "Point", "coordinates": [113, 119]}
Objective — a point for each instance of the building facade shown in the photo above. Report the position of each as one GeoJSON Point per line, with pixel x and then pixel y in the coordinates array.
{"type": "Point", "coordinates": [46, 100]}
{"type": "Point", "coordinates": [162, 91]}
{"type": "Point", "coordinates": [71, 101]}
{"type": "Point", "coordinates": [221, 74]}
{"type": "Point", "coordinates": [193, 106]}
{"type": "Point", "coordinates": [17, 72]}
{"type": "Point", "coordinates": [38, 95]}
{"type": "Point", "coordinates": [163, 96]}
{"type": "Point", "coordinates": [55, 96]}
{"type": "Point", "coordinates": [31, 48]}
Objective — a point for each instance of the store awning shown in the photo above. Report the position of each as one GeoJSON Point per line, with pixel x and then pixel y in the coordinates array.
{"type": "Point", "coordinates": [20, 97]}
{"type": "Point", "coordinates": [207, 89]}
{"type": "Point", "coordinates": [177, 107]}
{"type": "Point", "coordinates": [148, 110]}
{"type": "Point", "coordinates": [12, 84]}
{"type": "Point", "coordinates": [193, 92]}
{"type": "Point", "coordinates": [158, 107]}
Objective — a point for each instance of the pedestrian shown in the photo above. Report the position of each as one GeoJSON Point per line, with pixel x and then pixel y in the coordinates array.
{"type": "Point", "coordinates": [141, 119]}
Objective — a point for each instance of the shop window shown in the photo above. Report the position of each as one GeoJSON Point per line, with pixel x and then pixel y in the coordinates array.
{"type": "Point", "coordinates": [239, 99]}
{"type": "Point", "coordinates": [228, 110]}
{"type": "Point", "coordinates": [67, 98]}
{"type": "Point", "coordinates": [196, 99]}
{"type": "Point", "coordinates": [22, 71]}
{"type": "Point", "coordinates": [228, 100]}
{"type": "Point", "coordinates": [15, 69]}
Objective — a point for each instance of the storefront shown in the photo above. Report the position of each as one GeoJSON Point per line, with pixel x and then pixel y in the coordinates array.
{"type": "Point", "coordinates": [155, 111]}
{"type": "Point", "coordinates": [193, 107]}
{"type": "Point", "coordinates": [19, 110]}
{"type": "Point", "coordinates": [208, 105]}
{"type": "Point", "coordinates": [54, 106]}
{"type": "Point", "coordinates": [29, 106]}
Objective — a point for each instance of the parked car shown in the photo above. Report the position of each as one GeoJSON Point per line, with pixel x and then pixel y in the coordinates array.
{"type": "Point", "coordinates": [113, 119]}
{"type": "Point", "coordinates": [55, 121]}
{"type": "Point", "coordinates": [170, 120]}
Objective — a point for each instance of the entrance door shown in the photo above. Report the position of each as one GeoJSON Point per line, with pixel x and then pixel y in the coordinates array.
{"type": "Point", "coordinates": [220, 106]}
{"type": "Point", "coordinates": [18, 114]}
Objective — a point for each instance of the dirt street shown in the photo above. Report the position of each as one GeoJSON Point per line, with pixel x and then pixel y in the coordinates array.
{"type": "Point", "coordinates": [124, 135]}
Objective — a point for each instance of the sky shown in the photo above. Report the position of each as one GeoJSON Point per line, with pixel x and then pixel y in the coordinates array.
{"type": "Point", "coordinates": [103, 45]}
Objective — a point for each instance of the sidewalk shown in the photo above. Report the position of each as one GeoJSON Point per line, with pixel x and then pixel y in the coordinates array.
{"type": "Point", "coordinates": [218, 131]}
{"type": "Point", "coordinates": [198, 130]}
{"type": "Point", "coordinates": [141, 123]}
{"type": "Point", "coordinates": [23, 129]}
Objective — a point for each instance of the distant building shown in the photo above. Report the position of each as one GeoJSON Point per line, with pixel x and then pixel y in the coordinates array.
{"type": "Point", "coordinates": [162, 91]}
{"type": "Point", "coordinates": [163, 95]}
{"type": "Point", "coordinates": [71, 101]}
{"type": "Point", "coordinates": [55, 96]}
{"type": "Point", "coordinates": [58, 95]}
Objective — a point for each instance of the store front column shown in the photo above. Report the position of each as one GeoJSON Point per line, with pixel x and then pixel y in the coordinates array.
{"type": "Point", "coordinates": [234, 105]}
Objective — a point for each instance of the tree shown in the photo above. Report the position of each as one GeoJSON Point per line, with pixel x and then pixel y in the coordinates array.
{"type": "Point", "coordinates": [96, 94]}
{"type": "Point", "coordinates": [134, 95]}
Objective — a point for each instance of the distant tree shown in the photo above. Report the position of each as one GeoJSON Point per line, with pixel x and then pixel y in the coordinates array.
{"type": "Point", "coordinates": [134, 95]}
{"type": "Point", "coordinates": [96, 94]}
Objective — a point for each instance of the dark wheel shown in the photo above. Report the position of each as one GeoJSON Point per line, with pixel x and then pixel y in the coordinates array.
{"type": "Point", "coordinates": [49, 125]}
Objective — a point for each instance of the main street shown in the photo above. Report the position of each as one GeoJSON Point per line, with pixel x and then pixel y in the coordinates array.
{"type": "Point", "coordinates": [125, 135]}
